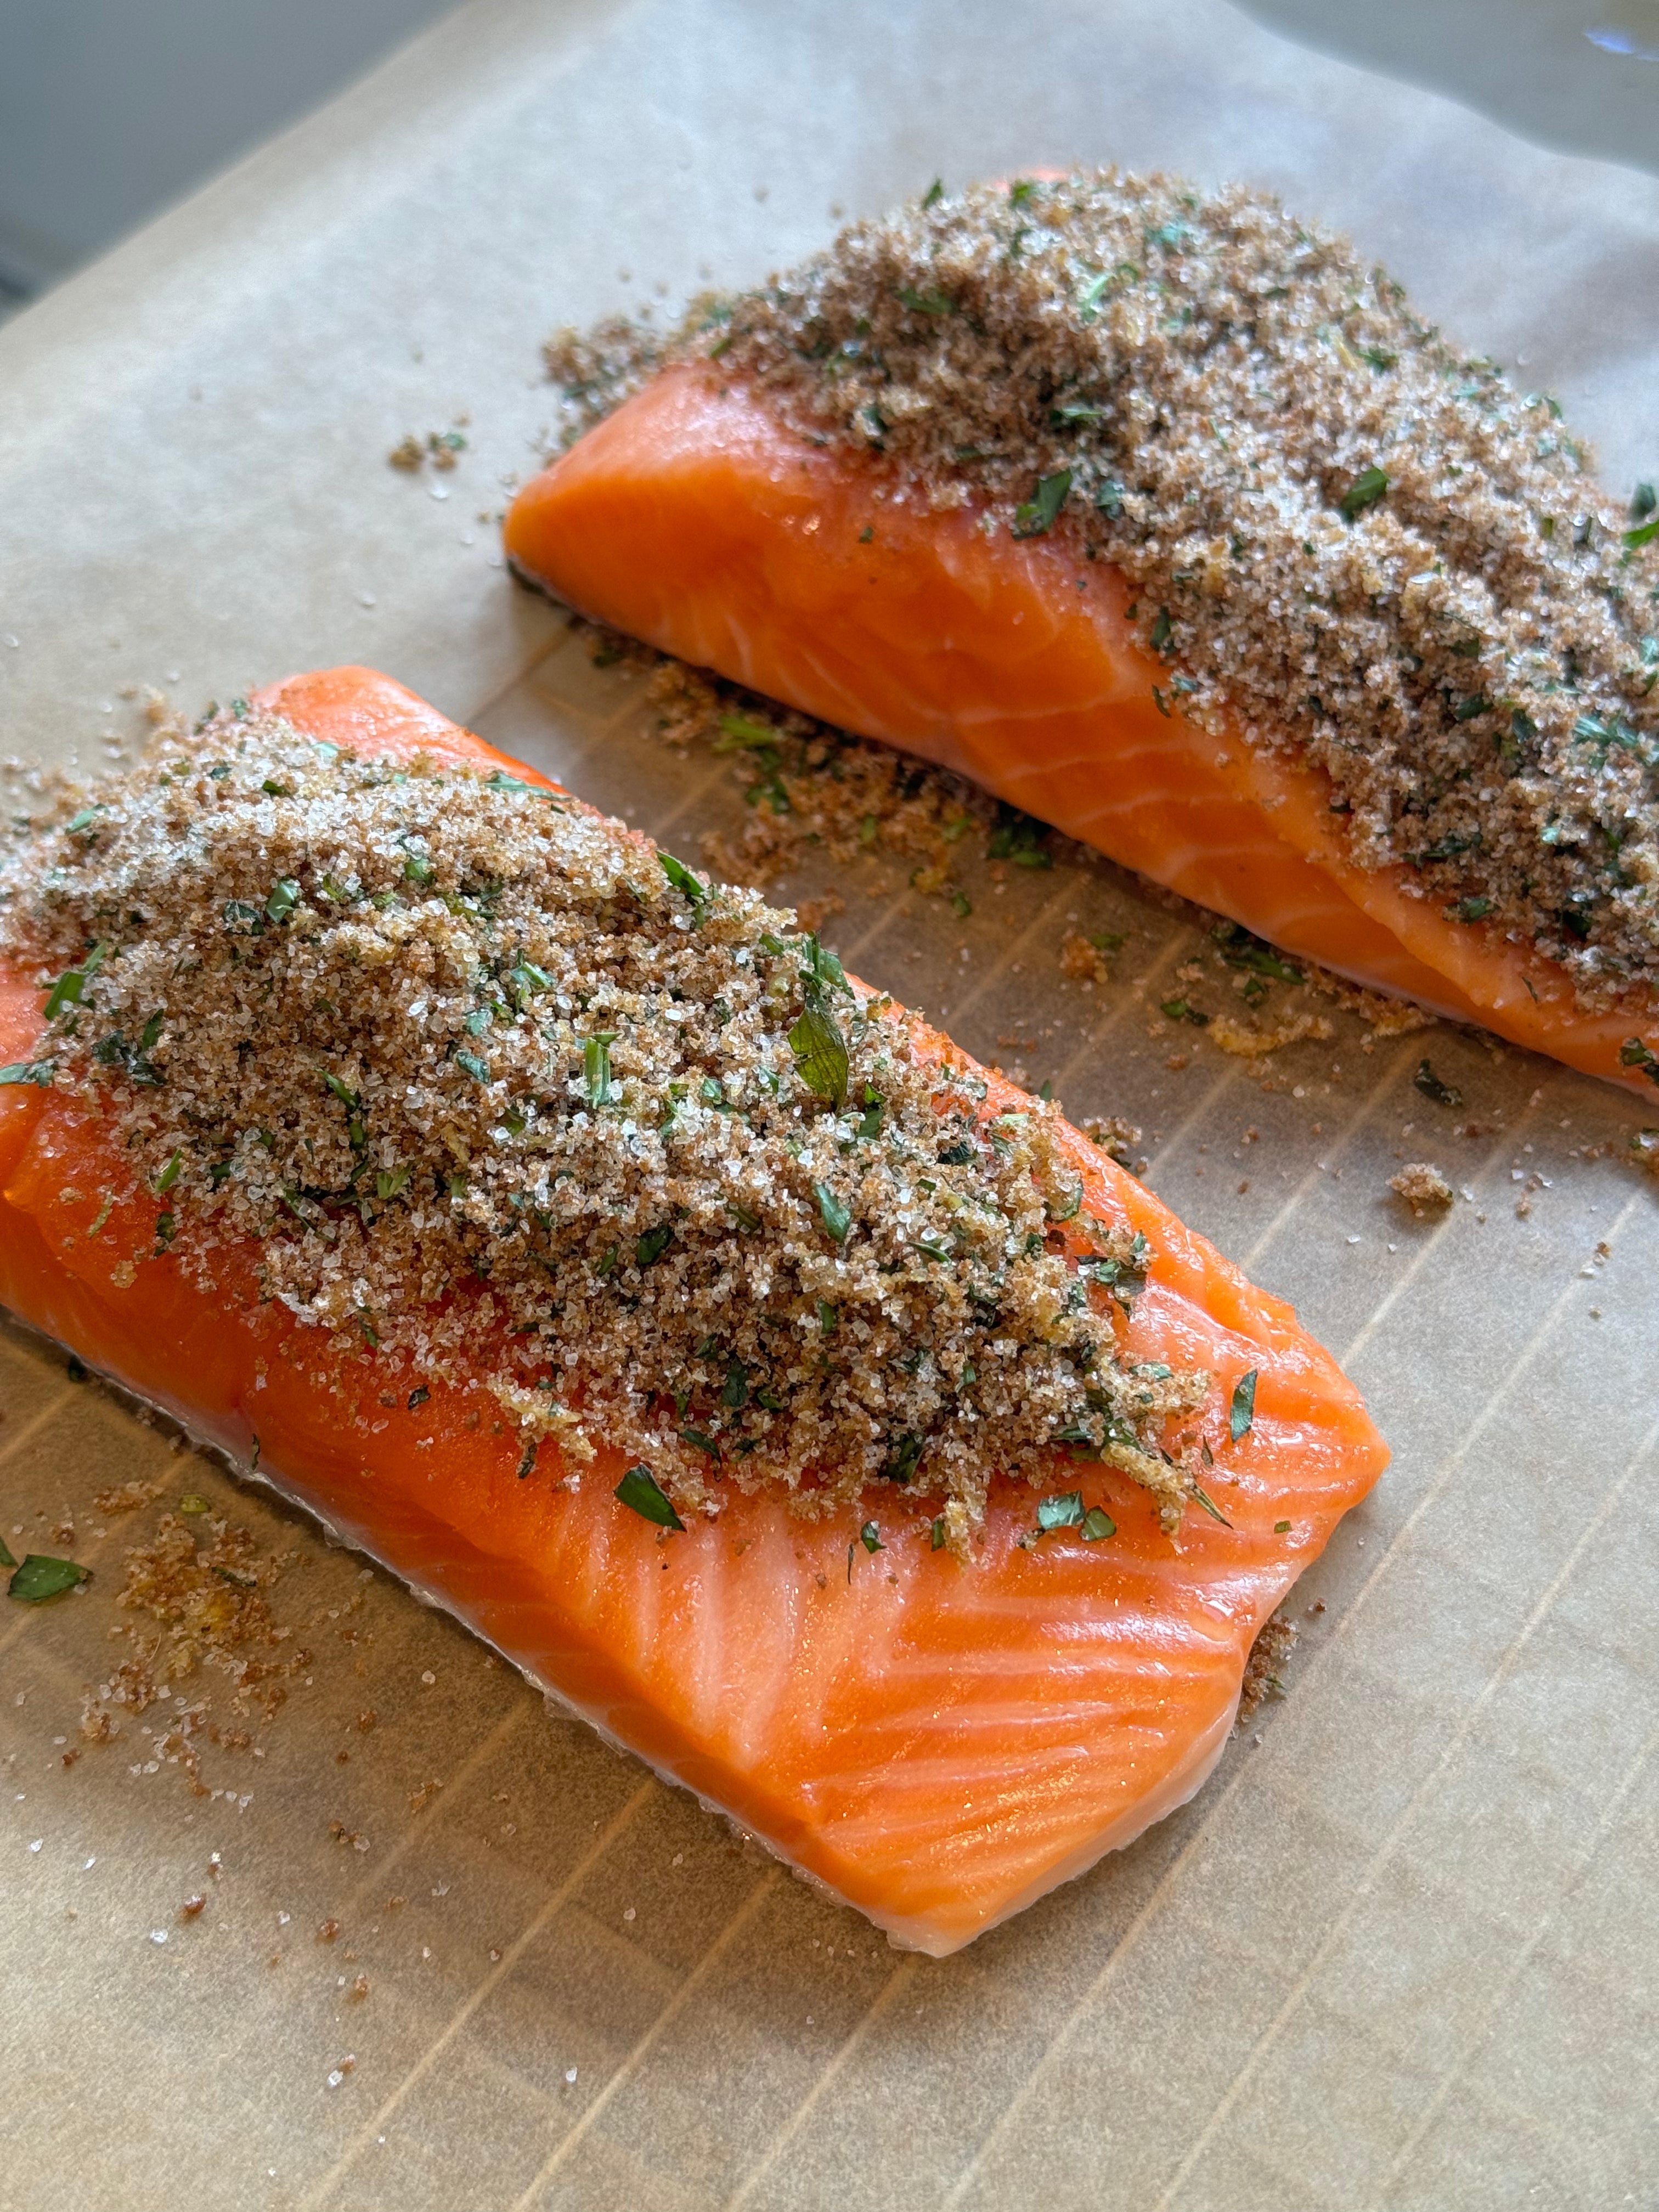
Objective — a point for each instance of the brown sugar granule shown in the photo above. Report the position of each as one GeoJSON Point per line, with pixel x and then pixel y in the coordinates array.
{"type": "Point", "coordinates": [1263, 1669]}
{"type": "Point", "coordinates": [1085, 959]}
{"type": "Point", "coordinates": [202, 1597]}
{"type": "Point", "coordinates": [406, 1028]}
{"type": "Point", "coordinates": [1348, 542]}
{"type": "Point", "coordinates": [1423, 1187]}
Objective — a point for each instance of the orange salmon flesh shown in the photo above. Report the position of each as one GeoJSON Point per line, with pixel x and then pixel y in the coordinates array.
{"type": "Point", "coordinates": [936, 1743]}
{"type": "Point", "coordinates": [692, 518]}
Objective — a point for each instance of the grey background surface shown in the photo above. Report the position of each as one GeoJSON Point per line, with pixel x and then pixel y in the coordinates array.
{"type": "Point", "coordinates": [110, 110]}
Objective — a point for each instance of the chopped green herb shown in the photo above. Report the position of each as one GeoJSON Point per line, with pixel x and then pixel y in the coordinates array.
{"type": "Point", "coordinates": [934, 193]}
{"type": "Point", "coordinates": [419, 1395]}
{"type": "Point", "coordinates": [820, 1052]}
{"type": "Point", "coordinates": [1097, 1525]}
{"type": "Point", "coordinates": [169, 1174]}
{"type": "Point", "coordinates": [1239, 949]}
{"type": "Point", "coordinates": [596, 1067]}
{"type": "Point", "coordinates": [903, 1460]}
{"type": "Point", "coordinates": [1036, 516]}
{"type": "Point", "coordinates": [1242, 1412]}
{"type": "Point", "coordinates": [1211, 1507]}
{"type": "Point", "coordinates": [640, 1490]}
{"type": "Point", "coordinates": [683, 879]}
{"type": "Point", "coordinates": [39, 1579]}
{"type": "Point", "coordinates": [937, 1541]}
{"type": "Point", "coordinates": [66, 990]}
{"type": "Point", "coordinates": [1281, 1527]}
{"type": "Point", "coordinates": [1644, 534]}
{"type": "Point", "coordinates": [477, 1068]}
{"type": "Point", "coordinates": [30, 1071]}
{"type": "Point", "coordinates": [284, 897]}
{"type": "Point", "coordinates": [1061, 1509]}
{"type": "Point", "coordinates": [1443, 1094]}
{"type": "Point", "coordinates": [700, 1440]}
{"type": "Point", "coordinates": [1160, 629]}
{"type": "Point", "coordinates": [6, 1558]}
{"type": "Point", "coordinates": [1469, 909]}
{"type": "Point", "coordinates": [870, 1537]}
{"type": "Point", "coordinates": [838, 1218]}
{"type": "Point", "coordinates": [417, 869]}
{"type": "Point", "coordinates": [925, 303]}
{"type": "Point", "coordinates": [654, 1243]}
{"type": "Point", "coordinates": [1179, 1009]}
{"type": "Point", "coordinates": [828, 1318]}
{"type": "Point", "coordinates": [1367, 487]}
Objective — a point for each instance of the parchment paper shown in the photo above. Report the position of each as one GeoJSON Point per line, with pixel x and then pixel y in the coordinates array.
{"type": "Point", "coordinates": [1401, 1952]}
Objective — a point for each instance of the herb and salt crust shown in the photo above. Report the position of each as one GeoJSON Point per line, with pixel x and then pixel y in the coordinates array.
{"type": "Point", "coordinates": [404, 1026]}
{"type": "Point", "coordinates": [1372, 559]}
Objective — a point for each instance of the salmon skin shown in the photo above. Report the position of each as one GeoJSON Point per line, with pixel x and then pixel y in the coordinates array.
{"type": "Point", "coordinates": [693, 518]}
{"type": "Point", "coordinates": [936, 1743]}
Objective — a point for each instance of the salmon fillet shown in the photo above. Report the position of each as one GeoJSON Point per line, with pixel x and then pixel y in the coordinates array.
{"type": "Point", "coordinates": [936, 1743]}
{"type": "Point", "coordinates": [693, 518]}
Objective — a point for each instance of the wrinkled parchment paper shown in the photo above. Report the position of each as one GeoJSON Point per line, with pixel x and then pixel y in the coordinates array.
{"type": "Point", "coordinates": [1400, 1952]}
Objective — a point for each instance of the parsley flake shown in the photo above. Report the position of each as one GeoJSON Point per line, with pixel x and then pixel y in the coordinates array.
{"type": "Point", "coordinates": [683, 879]}
{"type": "Point", "coordinates": [837, 1217]}
{"type": "Point", "coordinates": [640, 1490]}
{"type": "Point", "coordinates": [1061, 1509]}
{"type": "Point", "coordinates": [1036, 516]}
{"type": "Point", "coordinates": [39, 1579]}
{"type": "Point", "coordinates": [1426, 1081]}
{"type": "Point", "coordinates": [1367, 487]}
{"type": "Point", "coordinates": [1243, 1412]}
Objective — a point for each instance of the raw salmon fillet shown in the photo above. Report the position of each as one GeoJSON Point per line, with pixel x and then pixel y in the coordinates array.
{"type": "Point", "coordinates": [693, 518]}
{"type": "Point", "coordinates": [936, 1743]}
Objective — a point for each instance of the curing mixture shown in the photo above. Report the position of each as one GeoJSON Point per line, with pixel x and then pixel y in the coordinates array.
{"type": "Point", "coordinates": [499, 1092]}
{"type": "Point", "coordinates": [1342, 537]}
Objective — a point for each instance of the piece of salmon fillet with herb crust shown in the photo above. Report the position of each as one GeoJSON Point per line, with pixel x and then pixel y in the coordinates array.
{"type": "Point", "coordinates": [821, 1417]}
{"type": "Point", "coordinates": [1160, 514]}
